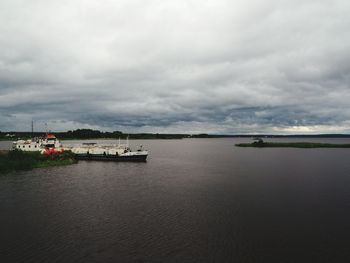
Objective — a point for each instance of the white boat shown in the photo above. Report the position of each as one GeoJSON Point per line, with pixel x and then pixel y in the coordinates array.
{"type": "Point", "coordinates": [108, 152]}
{"type": "Point", "coordinates": [86, 151]}
{"type": "Point", "coordinates": [48, 144]}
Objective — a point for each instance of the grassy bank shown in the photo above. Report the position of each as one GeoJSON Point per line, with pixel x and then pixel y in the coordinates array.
{"type": "Point", "coordinates": [19, 160]}
{"type": "Point", "coordinates": [292, 145]}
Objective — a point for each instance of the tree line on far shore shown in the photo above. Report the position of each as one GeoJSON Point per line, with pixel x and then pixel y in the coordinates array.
{"type": "Point", "coordinates": [92, 134]}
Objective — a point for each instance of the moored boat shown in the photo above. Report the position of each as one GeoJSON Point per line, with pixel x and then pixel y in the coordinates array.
{"type": "Point", "coordinates": [119, 152]}
{"type": "Point", "coordinates": [86, 151]}
{"type": "Point", "coordinates": [48, 144]}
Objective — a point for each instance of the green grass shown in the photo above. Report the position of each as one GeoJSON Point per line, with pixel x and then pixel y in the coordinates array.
{"type": "Point", "coordinates": [19, 160]}
{"type": "Point", "coordinates": [292, 145]}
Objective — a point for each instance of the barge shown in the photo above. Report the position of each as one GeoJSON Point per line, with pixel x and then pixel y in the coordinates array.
{"type": "Point", "coordinates": [109, 152]}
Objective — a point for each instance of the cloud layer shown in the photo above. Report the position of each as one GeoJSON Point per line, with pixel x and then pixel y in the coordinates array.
{"type": "Point", "coordinates": [214, 66]}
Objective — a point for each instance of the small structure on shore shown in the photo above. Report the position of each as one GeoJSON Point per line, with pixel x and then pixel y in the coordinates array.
{"type": "Point", "coordinates": [258, 141]}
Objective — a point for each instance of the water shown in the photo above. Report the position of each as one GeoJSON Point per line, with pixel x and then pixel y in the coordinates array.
{"type": "Point", "coordinates": [195, 200]}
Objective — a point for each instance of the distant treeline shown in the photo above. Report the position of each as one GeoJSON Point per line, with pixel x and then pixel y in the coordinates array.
{"type": "Point", "coordinates": [95, 134]}
{"type": "Point", "coordinates": [92, 134]}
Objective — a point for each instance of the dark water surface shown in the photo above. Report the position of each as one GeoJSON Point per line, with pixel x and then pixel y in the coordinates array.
{"type": "Point", "coordinates": [195, 200]}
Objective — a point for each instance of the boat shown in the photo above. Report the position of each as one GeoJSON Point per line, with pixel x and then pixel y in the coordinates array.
{"type": "Point", "coordinates": [109, 152]}
{"type": "Point", "coordinates": [47, 145]}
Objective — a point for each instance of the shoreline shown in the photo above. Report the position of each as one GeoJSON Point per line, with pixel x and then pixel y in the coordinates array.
{"type": "Point", "coordinates": [305, 145]}
{"type": "Point", "coordinates": [11, 161]}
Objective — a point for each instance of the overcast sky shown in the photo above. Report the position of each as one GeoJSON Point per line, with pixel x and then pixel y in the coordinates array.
{"type": "Point", "coordinates": [214, 66]}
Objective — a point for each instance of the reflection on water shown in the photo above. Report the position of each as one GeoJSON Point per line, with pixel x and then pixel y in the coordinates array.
{"type": "Point", "coordinates": [195, 200]}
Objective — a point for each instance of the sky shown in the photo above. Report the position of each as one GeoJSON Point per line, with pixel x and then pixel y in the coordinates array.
{"type": "Point", "coordinates": [184, 66]}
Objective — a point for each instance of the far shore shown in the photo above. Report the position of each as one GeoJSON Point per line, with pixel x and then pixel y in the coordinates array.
{"type": "Point", "coordinates": [90, 134]}
{"type": "Point", "coordinates": [261, 144]}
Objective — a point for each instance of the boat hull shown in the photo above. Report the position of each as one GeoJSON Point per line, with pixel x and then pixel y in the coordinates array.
{"type": "Point", "coordinates": [115, 158]}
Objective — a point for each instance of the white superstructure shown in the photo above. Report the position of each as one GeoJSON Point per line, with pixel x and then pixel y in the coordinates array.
{"type": "Point", "coordinates": [107, 152]}
{"type": "Point", "coordinates": [92, 149]}
{"type": "Point", "coordinates": [38, 144]}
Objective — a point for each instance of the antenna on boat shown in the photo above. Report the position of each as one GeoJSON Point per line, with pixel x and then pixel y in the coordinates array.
{"type": "Point", "coordinates": [119, 141]}
{"type": "Point", "coordinates": [127, 141]}
{"type": "Point", "coordinates": [46, 129]}
{"type": "Point", "coordinates": [32, 128]}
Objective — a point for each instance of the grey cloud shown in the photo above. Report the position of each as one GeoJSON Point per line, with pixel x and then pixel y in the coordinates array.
{"type": "Point", "coordinates": [176, 66]}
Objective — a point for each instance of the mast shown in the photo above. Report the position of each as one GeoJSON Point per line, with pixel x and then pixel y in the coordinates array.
{"type": "Point", "coordinates": [46, 129]}
{"type": "Point", "coordinates": [32, 129]}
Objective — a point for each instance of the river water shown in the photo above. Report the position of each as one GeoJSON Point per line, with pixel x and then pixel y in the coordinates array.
{"type": "Point", "coordinates": [195, 200]}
